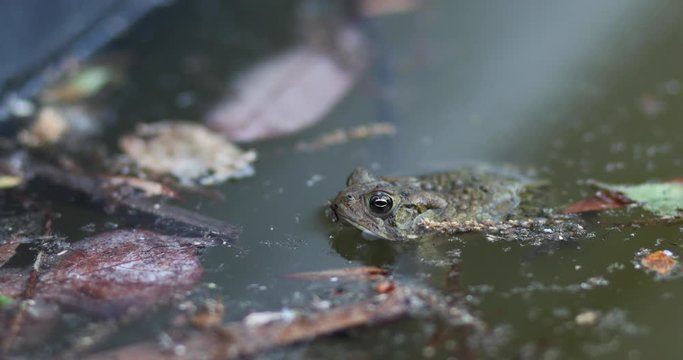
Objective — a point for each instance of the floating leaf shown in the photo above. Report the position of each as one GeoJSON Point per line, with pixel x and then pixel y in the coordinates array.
{"type": "Point", "coordinates": [603, 200]}
{"type": "Point", "coordinates": [661, 261]}
{"type": "Point", "coordinates": [340, 136]}
{"type": "Point", "coordinates": [85, 82]}
{"type": "Point", "coordinates": [5, 300]}
{"type": "Point", "coordinates": [110, 272]}
{"type": "Point", "coordinates": [10, 181]}
{"type": "Point", "coordinates": [662, 199]}
{"type": "Point", "coordinates": [365, 272]}
{"type": "Point", "coordinates": [190, 152]}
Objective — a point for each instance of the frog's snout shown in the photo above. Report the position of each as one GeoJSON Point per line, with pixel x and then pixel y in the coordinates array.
{"type": "Point", "coordinates": [332, 212]}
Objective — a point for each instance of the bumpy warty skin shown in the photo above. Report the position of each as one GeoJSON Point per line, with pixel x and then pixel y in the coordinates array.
{"type": "Point", "coordinates": [397, 208]}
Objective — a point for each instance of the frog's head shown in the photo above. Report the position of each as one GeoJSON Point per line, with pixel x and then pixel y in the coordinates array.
{"type": "Point", "coordinates": [388, 209]}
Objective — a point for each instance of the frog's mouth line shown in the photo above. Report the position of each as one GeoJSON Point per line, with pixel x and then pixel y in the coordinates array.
{"type": "Point", "coordinates": [364, 229]}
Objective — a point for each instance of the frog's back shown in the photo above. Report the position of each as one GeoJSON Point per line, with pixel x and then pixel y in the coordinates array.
{"type": "Point", "coordinates": [478, 193]}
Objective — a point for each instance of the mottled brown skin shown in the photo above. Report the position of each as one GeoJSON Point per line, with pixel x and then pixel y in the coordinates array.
{"type": "Point", "coordinates": [398, 208]}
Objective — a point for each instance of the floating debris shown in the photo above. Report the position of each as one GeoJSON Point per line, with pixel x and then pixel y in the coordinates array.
{"type": "Point", "coordinates": [147, 187]}
{"type": "Point", "coordinates": [387, 7]}
{"type": "Point", "coordinates": [56, 123]}
{"type": "Point", "coordinates": [357, 273]}
{"type": "Point", "coordinates": [650, 105]}
{"type": "Point", "coordinates": [85, 82]}
{"type": "Point", "coordinates": [48, 128]}
{"type": "Point", "coordinates": [587, 318]}
{"type": "Point", "coordinates": [209, 315]}
{"type": "Point", "coordinates": [10, 181]}
{"type": "Point", "coordinates": [190, 152]}
{"type": "Point", "coordinates": [340, 136]}
{"type": "Point", "coordinates": [662, 262]}
{"type": "Point", "coordinates": [263, 331]}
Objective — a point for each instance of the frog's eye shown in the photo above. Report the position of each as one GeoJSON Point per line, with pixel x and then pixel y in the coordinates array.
{"type": "Point", "coordinates": [380, 203]}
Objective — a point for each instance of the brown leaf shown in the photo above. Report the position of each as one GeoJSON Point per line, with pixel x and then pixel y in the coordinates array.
{"type": "Point", "coordinates": [12, 282]}
{"type": "Point", "coordinates": [357, 273]}
{"type": "Point", "coordinates": [660, 261]}
{"type": "Point", "coordinates": [7, 250]}
{"type": "Point", "coordinates": [603, 200]}
{"type": "Point", "coordinates": [340, 136]}
{"type": "Point", "coordinates": [284, 94]}
{"type": "Point", "coordinates": [110, 272]}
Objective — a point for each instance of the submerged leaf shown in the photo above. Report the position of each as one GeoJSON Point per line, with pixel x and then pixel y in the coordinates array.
{"type": "Point", "coordinates": [284, 94]}
{"type": "Point", "coordinates": [660, 261]}
{"type": "Point", "coordinates": [110, 272]}
{"type": "Point", "coordinates": [662, 199]}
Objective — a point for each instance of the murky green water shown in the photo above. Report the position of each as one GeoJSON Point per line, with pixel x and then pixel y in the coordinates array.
{"type": "Point", "coordinates": [576, 90]}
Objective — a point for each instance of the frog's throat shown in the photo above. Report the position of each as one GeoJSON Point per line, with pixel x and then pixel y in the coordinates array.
{"type": "Point", "coordinates": [363, 228]}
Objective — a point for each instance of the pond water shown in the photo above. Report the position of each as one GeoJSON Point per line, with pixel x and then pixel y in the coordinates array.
{"type": "Point", "coordinates": [578, 90]}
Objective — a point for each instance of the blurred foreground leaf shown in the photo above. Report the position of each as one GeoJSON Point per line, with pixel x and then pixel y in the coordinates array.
{"type": "Point", "coordinates": [9, 181]}
{"type": "Point", "coordinates": [110, 273]}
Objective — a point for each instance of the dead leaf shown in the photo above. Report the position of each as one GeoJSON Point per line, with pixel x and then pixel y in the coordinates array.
{"type": "Point", "coordinates": [283, 95]}
{"type": "Point", "coordinates": [664, 199]}
{"type": "Point", "coordinates": [7, 250]}
{"type": "Point", "coordinates": [190, 152]}
{"type": "Point", "coordinates": [603, 200]}
{"type": "Point", "coordinates": [661, 261]}
{"type": "Point", "coordinates": [340, 136]}
{"type": "Point", "coordinates": [111, 272]}
{"type": "Point", "coordinates": [357, 273]}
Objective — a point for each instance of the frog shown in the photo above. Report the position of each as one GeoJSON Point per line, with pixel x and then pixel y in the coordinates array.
{"type": "Point", "coordinates": [499, 202]}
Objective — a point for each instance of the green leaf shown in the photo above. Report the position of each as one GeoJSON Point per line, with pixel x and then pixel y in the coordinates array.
{"type": "Point", "coordinates": [662, 199]}
{"type": "Point", "coordinates": [5, 300]}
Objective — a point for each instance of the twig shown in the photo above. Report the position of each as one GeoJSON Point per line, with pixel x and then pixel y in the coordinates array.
{"type": "Point", "coordinates": [163, 214]}
{"type": "Point", "coordinates": [28, 294]}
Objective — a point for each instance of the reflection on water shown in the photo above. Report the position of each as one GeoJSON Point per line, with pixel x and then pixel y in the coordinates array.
{"type": "Point", "coordinates": [563, 88]}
